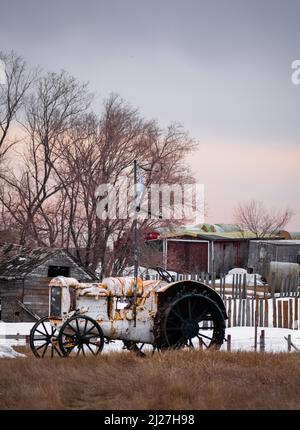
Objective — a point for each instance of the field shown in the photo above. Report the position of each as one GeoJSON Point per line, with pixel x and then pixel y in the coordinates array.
{"type": "Point", "coordinates": [169, 380]}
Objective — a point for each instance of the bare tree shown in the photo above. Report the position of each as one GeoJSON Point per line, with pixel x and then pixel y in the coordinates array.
{"type": "Point", "coordinates": [255, 217]}
{"type": "Point", "coordinates": [51, 112]}
{"type": "Point", "coordinates": [52, 197]}
{"type": "Point", "coordinates": [119, 137]}
{"type": "Point", "coordinates": [15, 85]}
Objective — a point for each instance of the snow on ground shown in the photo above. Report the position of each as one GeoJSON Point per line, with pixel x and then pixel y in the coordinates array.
{"type": "Point", "coordinates": [11, 330]}
{"type": "Point", "coordinates": [8, 352]}
{"type": "Point", "coordinates": [231, 277]}
{"type": "Point", "coordinates": [144, 271]}
{"type": "Point", "coordinates": [242, 339]}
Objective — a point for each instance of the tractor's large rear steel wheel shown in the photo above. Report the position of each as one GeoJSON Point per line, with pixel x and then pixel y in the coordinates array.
{"type": "Point", "coordinates": [81, 335]}
{"type": "Point", "coordinates": [192, 320]}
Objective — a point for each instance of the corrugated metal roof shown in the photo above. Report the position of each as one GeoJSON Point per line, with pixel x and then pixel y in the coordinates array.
{"type": "Point", "coordinates": [220, 231]}
{"type": "Point", "coordinates": [209, 235]}
{"type": "Point", "coordinates": [228, 228]}
{"type": "Point", "coordinates": [279, 242]}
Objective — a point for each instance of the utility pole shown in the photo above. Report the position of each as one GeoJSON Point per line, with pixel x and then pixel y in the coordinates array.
{"type": "Point", "coordinates": [137, 208]}
{"type": "Point", "coordinates": [135, 241]}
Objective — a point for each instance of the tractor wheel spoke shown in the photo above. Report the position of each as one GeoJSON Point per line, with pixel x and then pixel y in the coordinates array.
{"type": "Point", "coordinates": [72, 328]}
{"type": "Point", "coordinates": [41, 346]}
{"type": "Point", "coordinates": [78, 350]}
{"type": "Point", "coordinates": [90, 329]}
{"type": "Point", "coordinates": [206, 337]}
{"type": "Point", "coordinates": [93, 343]}
{"type": "Point", "coordinates": [85, 326]}
{"type": "Point", "coordinates": [177, 314]}
{"type": "Point", "coordinates": [45, 334]}
{"type": "Point", "coordinates": [57, 350]}
{"type": "Point", "coordinates": [44, 352]}
{"type": "Point", "coordinates": [203, 313]}
{"type": "Point", "coordinates": [90, 349]}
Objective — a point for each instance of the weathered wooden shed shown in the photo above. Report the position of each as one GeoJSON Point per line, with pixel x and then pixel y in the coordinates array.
{"type": "Point", "coordinates": [24, 277]}
{"type": "Point", "coordinates": [262, 252]}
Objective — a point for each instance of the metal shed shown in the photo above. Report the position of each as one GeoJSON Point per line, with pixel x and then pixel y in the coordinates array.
{"type": "Point", "coordinates": [262, 252]}
{"type": "Point", "coordinates": [194, 250]}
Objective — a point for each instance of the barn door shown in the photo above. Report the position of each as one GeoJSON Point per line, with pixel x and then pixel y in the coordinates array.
{"type": "Point", "coordinates": [191, 257]}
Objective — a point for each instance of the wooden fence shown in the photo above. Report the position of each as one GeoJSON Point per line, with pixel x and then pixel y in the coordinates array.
{"type": "Point", "coordinates": [273, 312]}
{"type": "Point", "coordinates": [255, 304]}
{"type": "Point", "coordinates": [240, 289]}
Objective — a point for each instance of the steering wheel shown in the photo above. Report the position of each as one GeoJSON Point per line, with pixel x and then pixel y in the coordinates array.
{"type": "Point", "coordinates": [164, 274]}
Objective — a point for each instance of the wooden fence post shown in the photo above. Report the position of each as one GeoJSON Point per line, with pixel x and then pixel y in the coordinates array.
{"type": "Point", "coordinates": [285, 314]}
{"type": "Point", "coordinates": [289, 341]}
{"type": "Point", "coordinates": [234, 313]}
{"type": "Point", "coordinates": [243, 312]}
{"type": "Point", "coordinates": [262, 341]}
{"type": "Point", "coordinates": [240, 285]}
{"type": "Point", "coordinates": [223, 286]}
{"type": "Point", "coordinates": [229, 312]}
{"type": "Point", "coordinates": [273, 285]}
{"type": "Point", "coordinates": [281, 285]}
{"type": "Point", "coordinates": [256, 324]}
{"type": "Point", "coordinates": [252, 311]}
{"type": "Point", "coordinates": [244, 286]}
{"type": "Point", "coordinates": [255, 285]}
{"type": "Point", "coordinates": [261, 312]}
{"type": "Point", "coordinates": [207, 278]}
{"type": "Point", "coordinates": [248, 312]}
{"type": "Point", "coordinates": [213, 280]}
{"type": "Point", "coordinates": [239, 312]}
{"type": "Point", "coordinates": [200, 343]}
{"type": "Point", "coordinates": [279, 306]}
{"type": "Point", "coordinates": [291, 313]}
{"type": "Point", "coordinates": [266, 315]}
{"type": "Point", "coordinates": [274, 313]}
{"type": "Point", "coordinates": [229, 343]}
{"type": "Point", "coordinates": [289, 284]}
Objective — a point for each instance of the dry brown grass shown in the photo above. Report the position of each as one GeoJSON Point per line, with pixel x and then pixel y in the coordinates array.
{"type": "Point", "coordinates": [171, 380]}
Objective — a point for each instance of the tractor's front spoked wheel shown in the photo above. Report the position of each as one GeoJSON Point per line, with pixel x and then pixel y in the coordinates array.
{"type": "Point", "coordinates": [80, 335]}
{"type": "Point", "coordinates": [43, 339]}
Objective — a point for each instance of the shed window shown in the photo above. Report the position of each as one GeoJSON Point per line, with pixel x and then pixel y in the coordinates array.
{"type": "Point", "coordinates": [58, 271]}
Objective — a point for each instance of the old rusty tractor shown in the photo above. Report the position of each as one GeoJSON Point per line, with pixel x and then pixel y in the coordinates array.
{"type": "Point", "coordinates": [161, 313]}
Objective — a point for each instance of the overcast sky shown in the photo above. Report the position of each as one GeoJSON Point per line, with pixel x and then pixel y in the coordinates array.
{"type": "Point", "coordinates": [221, 68]}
